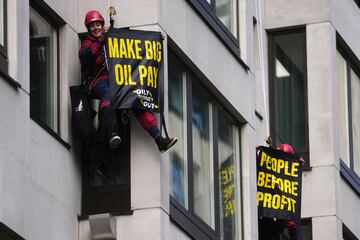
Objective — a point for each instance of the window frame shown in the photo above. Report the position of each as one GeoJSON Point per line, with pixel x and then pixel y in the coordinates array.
{"type": "Point", "coordinates": [4, 72]}
{"type": "Point", "coordinates": [206, 11]}
{"type": "Point", "coordinates": [56, 22]}
{"type": "Point", "coordinates": [352, 63]}
{"type": "Point", "coordinates": [3, 48]}
{"type": "Point", "coordinates": [303, 151]}
{"type": "Point", "coordinates": [187, 219]}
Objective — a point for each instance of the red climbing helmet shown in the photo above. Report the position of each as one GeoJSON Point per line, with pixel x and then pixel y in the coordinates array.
{"type": "Point", "coordinates": [93, 16]}
{"type": "Point", "coordinates": [286, 148]}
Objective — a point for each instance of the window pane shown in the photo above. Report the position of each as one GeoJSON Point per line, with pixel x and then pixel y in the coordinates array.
{"type": "Point", "coordinates": [355, 107]}
{"type": "Point", "coordinates": [177, 123]}
{"type": "Point", "coordinates": [202, 156]}
{"type": "Point", "coordinates": [342, 105]}
{"type": "Point", "coordinates": [43, 70]}
{"type": "Point", "coordinates": [226, 11]}
{"type": "Point", "coordinates": [289, 86]}
{"type": "Point", "coordinates": [228, 159]}
{"type": "Point", "coordinates": [2, 22]}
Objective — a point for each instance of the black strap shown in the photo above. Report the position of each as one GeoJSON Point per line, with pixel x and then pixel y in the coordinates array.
{"type": "Point", "coordinates": [163, 125]}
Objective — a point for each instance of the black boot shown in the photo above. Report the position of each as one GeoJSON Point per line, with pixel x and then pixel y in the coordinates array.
{"type": "Point", "coordinates": [165, 143]}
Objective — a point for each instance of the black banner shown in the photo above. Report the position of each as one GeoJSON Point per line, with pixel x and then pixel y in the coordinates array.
{"type": "Point", "coordinates": [278, 184]}
{"type": "Point", "coordinates": [135, 60]}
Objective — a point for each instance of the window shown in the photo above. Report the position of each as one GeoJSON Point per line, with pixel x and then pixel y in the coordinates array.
{"type": "Point", "coordinates": [43, 70]}
{"type": "Point", "coordinates": [222, 17]}
{"type": "Point", "coordinates": [205, 175]}
{"type": "Point", "coordinates": [348, 84]}
{"type": "Point", "coordinates": [202, 156]}
{"type": "Point", "coordinates": [348, 112]}
{"type": "Point", "coordinates": [288, 99]}
{"type": "Point", "coordinates": [106, 172]}
{"type": "Point", "coordinates": [106, 175]}
{"type": "Point", "coordinates": [3, 35]}
{"type": "Point", "coordinates": [226, 10]}
{"type": "Point", "coordinates": [229, 157]}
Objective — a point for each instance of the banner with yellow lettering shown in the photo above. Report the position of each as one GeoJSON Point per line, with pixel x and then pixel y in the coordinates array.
{"type": "Point", "coordinates": [135, 60]}
{"type": "Point", "coordinates": [278, 184]}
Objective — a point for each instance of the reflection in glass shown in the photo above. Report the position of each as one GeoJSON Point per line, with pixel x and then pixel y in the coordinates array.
{"type": "Point", "coordinates": [355, 109]}
{"type": "Point", "coordinates": [43, 70]}
{"type": "Point", "coordinates": [202, 156]}
{"type": "Point", "coordinates": [342, 108]}
{"type": "Point", "coordinates": [228, 176]}
{"type": "Point", "coordinates": [226, 11]}
{"type": "Point", "coordinates": [177, 123]}
{"type": "Point", "coordinates": [289, 86]}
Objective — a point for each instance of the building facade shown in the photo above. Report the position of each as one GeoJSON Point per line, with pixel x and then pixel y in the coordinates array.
{"type": "Point", "coordinates": [235, 71]}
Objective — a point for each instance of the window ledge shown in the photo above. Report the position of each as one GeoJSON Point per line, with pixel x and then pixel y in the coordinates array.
{"type": "Point", "coordinates": [126, 213]}
{"type": "Point", "coordinates": [52, 133]}
{"type": "Point", "coordinates": [350, 177]}
{"type": "Point", "coordinates": [10, 80]}
{"type": "Point", "coordinates": [191, 225]}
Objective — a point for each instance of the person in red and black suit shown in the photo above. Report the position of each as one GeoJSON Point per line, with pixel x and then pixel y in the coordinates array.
{"type": "Point", "coordinates": [94, 68]}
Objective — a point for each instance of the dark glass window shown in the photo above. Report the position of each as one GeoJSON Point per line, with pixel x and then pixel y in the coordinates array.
{"type": "Point", "coordinates": [43, 70]}
{"type": "Point", "coordinates": [105, 171]}
{"type": "Point", "coordinates": [288, 97]}
{"type": "Point", "coordinates": [106, 174]}
{"type": "Point", "coordinates": [205, 175]}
